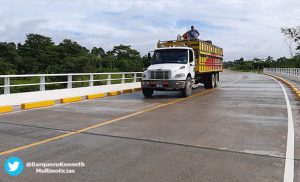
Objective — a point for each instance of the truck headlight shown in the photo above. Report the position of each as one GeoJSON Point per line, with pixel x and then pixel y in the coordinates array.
{"type": "Point", "coordinates": [180, 75]}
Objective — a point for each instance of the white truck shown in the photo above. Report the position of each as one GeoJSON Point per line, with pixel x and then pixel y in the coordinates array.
{"type": "Point", "coordinates": [177, 65]}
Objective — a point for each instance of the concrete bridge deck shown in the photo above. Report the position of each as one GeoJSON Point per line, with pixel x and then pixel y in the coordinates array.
{"type": "Point", "coordinates": [237, 132]}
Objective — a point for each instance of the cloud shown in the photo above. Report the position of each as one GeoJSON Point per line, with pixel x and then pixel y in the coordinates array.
{"type": "Point", "coordinates": [243, 28]}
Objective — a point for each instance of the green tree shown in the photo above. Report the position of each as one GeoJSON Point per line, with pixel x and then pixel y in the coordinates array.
{"type": "Point", "coordinates": [75, 58]}
{"type": "Point", "coordinates": [8, 51]}
{"type": "Point", "coordinates": [98, 51]}
{"type": "Point", "coordinates": [107, 63]}
{"type": "Point", "coordinates": [124, 52]}
{"type": "Point", "coordinates": [39, 54]}
{"type": "Point", "coordinates": [33, 54]}
{"type": "Point", "coordinates": [9, 57]}
{"type": "Point", "coordinates": [146, 61]}
{"type": "Point", "coordinates": [70, 48]}
{"type": "Point", "coordinates": [77, 64]}
{"type": "Point", "coordinates": [6, 68]}
{"type": "Point", "coordinates": [124, 58]}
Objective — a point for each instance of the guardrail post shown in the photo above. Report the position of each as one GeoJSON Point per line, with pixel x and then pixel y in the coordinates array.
{"type": "Point", "coordinates": [69, 81]}
{"type": "Point", "coordinates": [123, 78]}
{"type": "Point", "coordinates": [6, 85]}
{"type": "Point", "coordinates": [109, 79]}
{"type": "Point", "coordinates": [42, 83]}
{"type": "Point", "coordinates": [134, 77]}
{"type": "Point", "coordinates": [91, 80]}
{"type": "Point", "coordinates": [294, 71]}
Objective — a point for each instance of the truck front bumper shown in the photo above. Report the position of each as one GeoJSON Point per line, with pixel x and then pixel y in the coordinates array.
{"type": "Point", "coordinates": [163, 84]}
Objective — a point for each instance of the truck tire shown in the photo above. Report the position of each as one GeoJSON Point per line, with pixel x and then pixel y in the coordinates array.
{"type": "Point", "coordinates": [187, 91]}
{"type": "Point", "coordinates": [148, 92]}
{"type": "Point", "coordinates": [216, 79]}
{"type": "Point", "coordinates": [209, 81]}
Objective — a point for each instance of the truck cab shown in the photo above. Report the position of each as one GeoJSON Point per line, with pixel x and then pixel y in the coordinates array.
{"type": "Point", "coordinates": [172, 68]}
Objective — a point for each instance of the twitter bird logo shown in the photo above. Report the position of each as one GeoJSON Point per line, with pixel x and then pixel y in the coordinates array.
{"type": "Point", "coordinates": [13, 166]}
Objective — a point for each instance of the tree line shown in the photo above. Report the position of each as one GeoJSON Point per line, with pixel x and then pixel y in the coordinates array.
{"type": "Point", "coordinates": [257, 65]}
{"type": "Point", "coordinates": [293, 34]}
{"type": "Point", "coordinates": [39, 54]}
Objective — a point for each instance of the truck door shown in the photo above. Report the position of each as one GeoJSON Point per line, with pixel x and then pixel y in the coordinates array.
{"type": "Point", "coordinates": [192, 63]}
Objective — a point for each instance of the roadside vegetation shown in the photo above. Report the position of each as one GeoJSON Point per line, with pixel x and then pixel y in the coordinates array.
{"type": "Point", "coordinates": [39, 54]}
{"type": "Point", "coordinates": [257, 65]}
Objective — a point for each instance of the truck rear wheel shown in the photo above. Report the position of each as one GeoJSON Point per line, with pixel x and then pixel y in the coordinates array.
{"type": "Point", "coordinates": [216, 79]}
{"type": "Point", "coordinates": [209, 81]}
{"type": "Point", "coordinates": [148, 92]}
{"type": "Point", "coordinates": [187, 91]}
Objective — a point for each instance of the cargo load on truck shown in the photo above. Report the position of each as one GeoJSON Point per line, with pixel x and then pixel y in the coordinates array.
{"type": "Point", "coordinates": [208, 56]}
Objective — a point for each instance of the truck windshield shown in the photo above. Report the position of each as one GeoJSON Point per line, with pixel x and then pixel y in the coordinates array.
{"type": "Point", "coordinates": [179, 56]}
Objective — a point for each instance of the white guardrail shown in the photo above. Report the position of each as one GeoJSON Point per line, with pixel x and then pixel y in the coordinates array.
{"type": "Point", "coordinates": [289, 73]}
{"type": "Point", "coordinates": [91, 79]}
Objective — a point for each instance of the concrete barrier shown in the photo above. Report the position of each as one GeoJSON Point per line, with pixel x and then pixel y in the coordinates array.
{"type": "Point", "coordinates": [28, 97]}
{"type": "Point", "coordinates": [5, 109]}
{"type": "Point", "coordinates": [95, 96]}
{"type": "Point", "coordinates": [40, 104]}
{"type": "Point", "coordinates": [295, 90]}
{"type": "Point", "coordinates": [114, 93]}
{"type": "Point", "coordinates": [126, 91]}
{"type": "Point", "coordinates": [288, 73]}
{"type": "Point", "coordinates": [137, 89]}
{"type": "Point", "coordinates": [298, 94]}
{"type": "Point", "coordinates": [70, 99]}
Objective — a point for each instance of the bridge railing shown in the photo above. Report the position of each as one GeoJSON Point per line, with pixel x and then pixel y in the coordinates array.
{"type": "Point", "coordinates": [289, 73]}
{"type": "Point", "coordinates": [43, 81]}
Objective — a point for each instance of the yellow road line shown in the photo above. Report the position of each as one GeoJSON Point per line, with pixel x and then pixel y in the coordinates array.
{"type": "Point", "coordinates": [101, 124]}
{"type": "Point", "coordinates": [96, 125]}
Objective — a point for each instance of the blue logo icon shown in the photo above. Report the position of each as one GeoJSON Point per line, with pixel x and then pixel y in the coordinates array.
{"type": "Point", "coordinates": [13, 166]}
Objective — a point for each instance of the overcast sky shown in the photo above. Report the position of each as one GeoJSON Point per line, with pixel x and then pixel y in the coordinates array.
{"type": "Point", "coordinates": [243, 28]}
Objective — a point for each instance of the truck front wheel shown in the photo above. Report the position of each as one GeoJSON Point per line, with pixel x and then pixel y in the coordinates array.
{"type": "Point", "coordinates": [187, 91]}
{"type": "Point", "coordinates": [148, 92]}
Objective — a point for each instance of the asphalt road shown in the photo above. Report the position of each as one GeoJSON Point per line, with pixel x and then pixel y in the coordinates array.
{"type": "Point", "coordinates": [237, 132]}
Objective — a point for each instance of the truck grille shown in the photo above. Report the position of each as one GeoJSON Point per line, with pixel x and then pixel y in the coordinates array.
{"type": "Point", "coordinates": [163, 75]}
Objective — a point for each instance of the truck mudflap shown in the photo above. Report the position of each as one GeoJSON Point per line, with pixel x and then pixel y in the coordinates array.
{"type": "Point", "coordinates": [163, 84]}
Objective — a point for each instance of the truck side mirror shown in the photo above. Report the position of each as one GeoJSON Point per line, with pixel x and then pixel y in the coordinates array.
{"type": "Point", "coordinates": [149, 55]}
